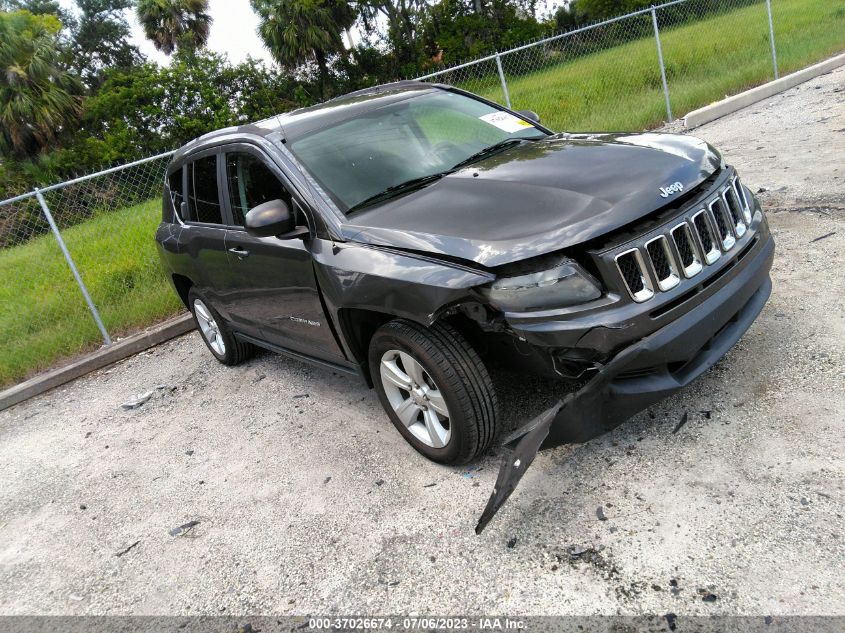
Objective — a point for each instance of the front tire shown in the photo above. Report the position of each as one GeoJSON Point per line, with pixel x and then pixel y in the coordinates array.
{"type": "Point", "coordinates": [216, 333]}
{"type": "Point", "coordinates": [435, 389]}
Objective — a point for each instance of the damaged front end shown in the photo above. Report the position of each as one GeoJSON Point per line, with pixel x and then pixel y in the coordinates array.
{"type": "Point", "coordinates": [640, 375]}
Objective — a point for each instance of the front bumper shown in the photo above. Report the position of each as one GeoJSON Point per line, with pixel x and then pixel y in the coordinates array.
{"type": "Point", "coordinates": [669, 359]}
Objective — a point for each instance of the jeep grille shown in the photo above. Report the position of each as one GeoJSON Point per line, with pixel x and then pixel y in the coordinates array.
{"type": "Point", "coordinates": [684, 250]}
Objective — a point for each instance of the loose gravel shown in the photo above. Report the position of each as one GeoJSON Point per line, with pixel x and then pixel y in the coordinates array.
{"type": "Point", "coordinates": [278, 488]}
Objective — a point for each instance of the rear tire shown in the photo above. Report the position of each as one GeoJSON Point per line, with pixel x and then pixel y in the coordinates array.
{"type": "Point", "coordinates": [216, 334]}
{"type": "Point", "coordinates": [435, 389]}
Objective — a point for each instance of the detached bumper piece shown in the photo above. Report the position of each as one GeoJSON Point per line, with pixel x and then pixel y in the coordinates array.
{"type": "Point", "coordinates": [521, 448]}
{"type": "Point", "coordinates": [637, 377]}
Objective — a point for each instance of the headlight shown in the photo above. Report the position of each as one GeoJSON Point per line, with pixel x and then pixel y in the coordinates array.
{"type": "Point", "coordinates": [564, 285]}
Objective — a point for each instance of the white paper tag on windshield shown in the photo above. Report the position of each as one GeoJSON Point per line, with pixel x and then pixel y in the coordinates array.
{"type": "Point", "coordinates": [505, 121]}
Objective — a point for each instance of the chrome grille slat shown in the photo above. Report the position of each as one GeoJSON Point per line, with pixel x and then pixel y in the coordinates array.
{"type": "Point", "coordinates": [707, 236]}
{"type": "Point", "coordinates": [740, 193]}
{"type": "Point", "coordinates": [632, 268]}
{"type": "Point", "coordinates": [662, 263]}
{"type": "Point", "coordinates": [697, 240]}
{"type": "Point", "coordinates": [723, 223]}
{"type": "Point", "coordinates": [687, 250]}
{"type": "Point", "coordinates": [736, 212]}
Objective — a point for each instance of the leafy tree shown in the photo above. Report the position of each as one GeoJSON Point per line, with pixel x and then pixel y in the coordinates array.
{"type": "Point", "coordinates": [581, 12]}
{"type": "Point", "coordinates": [300, 31]}
{"type": "Point", "coordinates": [175, 24]}
{"type": "Point", "coordinates": [564, 18]}
{"type": "Point", "coordinates": [37, 95]}
{"type": "Point", "coordinates": [363, 67]}
{"type": "Point", "coordinates": [38, 7]}
{"type": "Point", "coordinates": [419, 33]}
{"type": "Point", "coordinates": [150, 108]}
{"type": "Point", "coordinates": [100, 39]}
{"type": "Point", "coordinates": [404, 21]}
{"type": "Point", "coordinates": [457, 30]}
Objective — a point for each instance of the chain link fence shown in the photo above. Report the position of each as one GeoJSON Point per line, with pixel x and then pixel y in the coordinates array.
{"type": "Point", "coordinates": [78, 264]}
{"type": "Point", "coordinates": [639, 70]}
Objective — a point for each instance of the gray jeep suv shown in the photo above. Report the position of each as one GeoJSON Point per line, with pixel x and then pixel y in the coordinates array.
{"type": "Point", "coordinates": [413, 233]}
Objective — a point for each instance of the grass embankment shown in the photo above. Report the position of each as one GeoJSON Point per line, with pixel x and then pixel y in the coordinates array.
{"type": "Point", "coordinates": [43, 316]}
{"type": "Point", "coordinates": [620, 89]}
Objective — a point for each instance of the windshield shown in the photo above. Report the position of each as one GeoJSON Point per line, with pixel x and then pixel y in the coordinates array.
{"type": "Point", "coordinates": [363, 156]}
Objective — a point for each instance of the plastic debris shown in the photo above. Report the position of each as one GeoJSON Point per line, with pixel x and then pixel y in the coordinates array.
{"type": "Point", "coordinates": [137, 401]}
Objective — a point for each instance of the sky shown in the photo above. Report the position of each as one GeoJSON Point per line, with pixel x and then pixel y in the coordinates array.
{"type": "Point", "coordinates": [232, 32]}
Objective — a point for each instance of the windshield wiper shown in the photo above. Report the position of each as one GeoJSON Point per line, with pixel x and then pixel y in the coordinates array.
{"type": "Point", "coordinates": [487, 151]}
{"type": "Point", "coordinates": [395, 190]}
{"type": "Point", "coordinates": [416, 183]}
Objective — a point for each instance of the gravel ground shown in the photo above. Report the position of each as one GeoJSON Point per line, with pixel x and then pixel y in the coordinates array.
{"type": "Point", "coordinates": [307, 501]}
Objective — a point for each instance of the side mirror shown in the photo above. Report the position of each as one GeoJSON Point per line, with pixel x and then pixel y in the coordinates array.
{"type": "Point", "coordinates": [529, 114]}
{"type": "Point", "coordinates": [271, 218]}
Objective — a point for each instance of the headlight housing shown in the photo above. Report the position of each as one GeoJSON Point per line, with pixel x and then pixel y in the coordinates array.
{"type": "Point", "coordinates": [564, 284]}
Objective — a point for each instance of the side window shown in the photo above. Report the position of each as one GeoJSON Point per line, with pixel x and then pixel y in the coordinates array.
{"type": "Point", "coordinates": [251, 183]}
{"type": "Point", "coordinates": [203, 196]}
{"type": "Point", "coordinates": [176, 194]}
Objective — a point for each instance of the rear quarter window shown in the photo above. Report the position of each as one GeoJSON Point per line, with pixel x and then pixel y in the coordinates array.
{"type": "Point", "coordinates": [177, 196]}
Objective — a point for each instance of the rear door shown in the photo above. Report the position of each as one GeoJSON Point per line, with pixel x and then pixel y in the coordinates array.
{"type": "Point", "coordinates": [276, 288]}
{"type": "Point", "coordinates": [203, 237]}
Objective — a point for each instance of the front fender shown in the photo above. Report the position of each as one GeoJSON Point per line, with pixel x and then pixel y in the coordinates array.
{"type": "Point", "coordinates": [385, 280]}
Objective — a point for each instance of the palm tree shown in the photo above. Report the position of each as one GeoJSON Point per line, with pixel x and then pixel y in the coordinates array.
{"type": "Point", "coordinates": [175, 24]}
{"type": "Point", "coordinates": [299, 31]}
{"type": "Point", "coordinates": [37, 94]}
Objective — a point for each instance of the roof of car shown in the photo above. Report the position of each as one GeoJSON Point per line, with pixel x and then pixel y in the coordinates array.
{"type": "Point", "coordinates": [295, 124]}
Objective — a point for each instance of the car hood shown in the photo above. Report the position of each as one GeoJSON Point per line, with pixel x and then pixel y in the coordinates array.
{"type": "Point", "coordinates": [538, 196]}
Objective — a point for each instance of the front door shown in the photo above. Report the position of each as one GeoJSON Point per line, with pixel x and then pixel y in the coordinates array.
{"type": "Point", "coordinates": [276, 290]}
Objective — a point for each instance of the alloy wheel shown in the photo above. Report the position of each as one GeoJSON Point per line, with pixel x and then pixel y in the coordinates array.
{"type": "Point", "coordinates": [415, 398]}
{"type": "Point", "coordinates": [209, 328]}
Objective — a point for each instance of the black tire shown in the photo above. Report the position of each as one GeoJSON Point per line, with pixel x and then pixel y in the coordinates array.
{"type": "Point", "coordinates": [461, 377]}
{"type": "Point", "coordinates": [236, 352]}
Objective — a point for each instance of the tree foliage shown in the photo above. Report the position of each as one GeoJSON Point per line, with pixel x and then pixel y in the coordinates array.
{"type": "Point", "coordinates": [173, 25]}
{"type": "Point", "coordinates": [457, 30]}
{"type": "Point", "coordinates": [150, 109]}
{"type": "Point", "coordinates": [158, 108]}
{"type": "Point", "coordinates": [38, 97]}
{"type": "Point", "coordinates": [403, 33]}
{"type": "Point", "coordinates": [300, 31]}
{"type": "Point", "coordinates": [582, 12]}
{"type": "Point", "coordinates": [100, 39]}
{"type": "Point", "coordinates": [38, 7]}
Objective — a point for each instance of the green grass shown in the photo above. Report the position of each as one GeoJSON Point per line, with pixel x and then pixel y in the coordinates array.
{"type": "Point", "coordinates": [43, 316]}
{"type": "Point", "coordinates": [620, 89]}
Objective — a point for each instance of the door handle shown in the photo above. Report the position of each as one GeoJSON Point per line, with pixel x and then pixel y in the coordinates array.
{"type": "Point", "coordinates": [239, 251]}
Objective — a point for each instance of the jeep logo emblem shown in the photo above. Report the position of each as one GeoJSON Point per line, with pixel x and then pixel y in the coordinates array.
{"type": "Point", "coordinates": [674, 188]}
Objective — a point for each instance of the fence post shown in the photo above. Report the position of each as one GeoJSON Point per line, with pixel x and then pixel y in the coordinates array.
{"type": "Point", "coordinates": [70, 263]}
{"type": "Point", "coordinates": [662, 65]}
{"type": "Point", "coordinates": [502, 79]}
{"type": "Point", "coordinates": [772, 38]}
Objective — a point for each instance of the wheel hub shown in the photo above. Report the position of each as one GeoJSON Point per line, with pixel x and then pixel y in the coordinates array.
{"type": "Point", "coordinates": [418, 395]}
